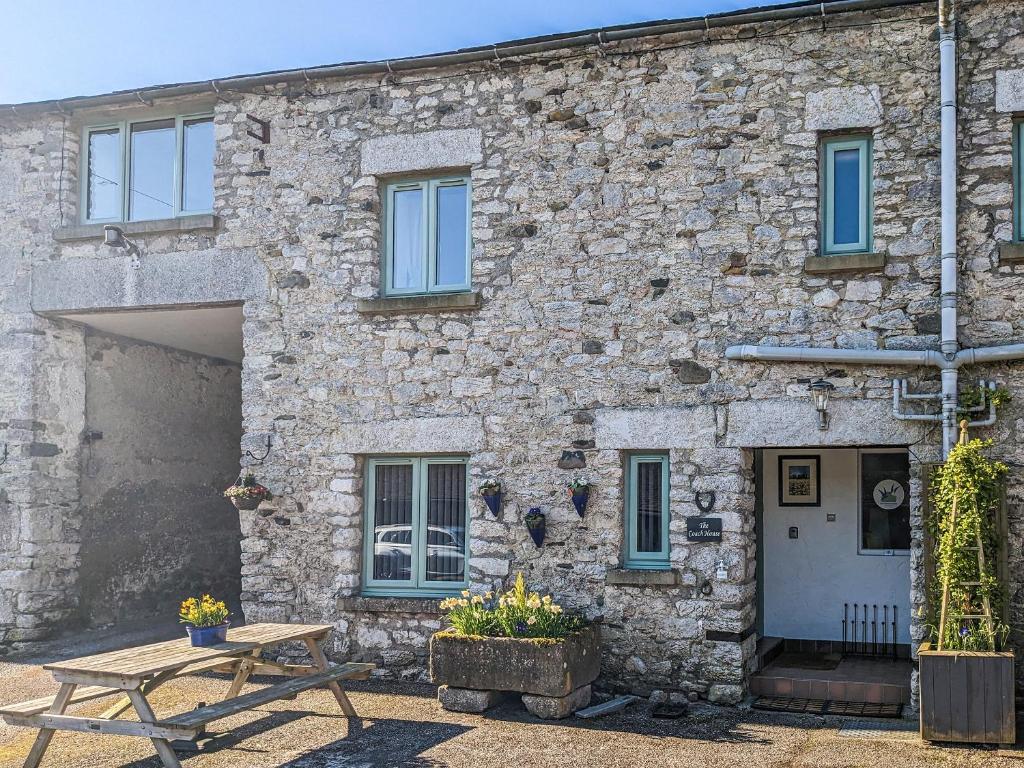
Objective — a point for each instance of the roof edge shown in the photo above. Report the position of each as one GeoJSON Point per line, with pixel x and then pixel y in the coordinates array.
{"type": "Point", "coordinates": [495, 52]}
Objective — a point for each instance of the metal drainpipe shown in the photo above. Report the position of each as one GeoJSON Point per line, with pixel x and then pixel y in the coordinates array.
{"type": "Point", "coordinates": [947, 73]}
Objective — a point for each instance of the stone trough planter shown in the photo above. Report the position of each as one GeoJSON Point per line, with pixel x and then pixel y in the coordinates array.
{"type": "Point", "coordinates": [553, 676]}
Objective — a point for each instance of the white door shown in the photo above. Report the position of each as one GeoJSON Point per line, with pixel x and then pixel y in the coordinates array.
{"type": "Point", "coordinates": [835, 531]}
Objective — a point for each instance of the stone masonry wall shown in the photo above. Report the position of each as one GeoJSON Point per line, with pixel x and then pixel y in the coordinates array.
{"type": "Point", "coordinates": [635, 211]}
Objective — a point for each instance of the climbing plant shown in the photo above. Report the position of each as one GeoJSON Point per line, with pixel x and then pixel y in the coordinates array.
{"type": "Point", "coordinates": [972, 397]}
{"type": "Point", "coordinates": [966, 494]}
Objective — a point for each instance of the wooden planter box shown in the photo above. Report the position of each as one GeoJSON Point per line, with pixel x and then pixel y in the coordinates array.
{"type": "Point", "coordinates": [967, 696]}
{"type": "Point", "coordinates": [541, 668]}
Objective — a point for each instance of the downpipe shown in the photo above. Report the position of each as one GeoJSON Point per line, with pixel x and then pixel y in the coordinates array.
{"type": "Point", "coordinates": [950, 266]}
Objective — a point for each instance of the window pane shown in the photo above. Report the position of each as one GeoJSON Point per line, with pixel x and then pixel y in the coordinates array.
{"type": "Point", "coordinates": [885, 501]}
{"type": "Point", "coordinates": [407, 258]}
{"type": "Point", "coordinates": [451, 235]}
{"type": "Point", "coordinates": [152, 170]}
{"type": "Point", "coordinates": [846, 211]}
{"type": "Point", "coordinates": [104, 192]}
{"type": "Point", "coordinates": [446, 522]}
{"type": "Point", "coordinates": [648, 506]}
{"type": "Point", "coordinates": [392, 510]}
{"type": "Point", "coordinates": [197, 178]}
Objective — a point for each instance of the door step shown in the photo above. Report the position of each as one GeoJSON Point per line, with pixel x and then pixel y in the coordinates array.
{"type": "Point", "coordinates": [826, 707]}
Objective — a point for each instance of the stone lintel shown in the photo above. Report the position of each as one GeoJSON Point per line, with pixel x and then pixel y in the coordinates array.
{"type": "Point", "coordinates": [74, 232]}
{"type": "Point", "coordinates": [839, 109]}
{"type": "Point", "coordinates": [418, 605]}
{"type": "Point", "coordinates": [182, 279]}
{"type": "Point", "coordinates": [405, 305]}
{"type": "Point", "coordinates": [637, 577]}
{"type": "Point", "coordinates": [441, 434]}
{"type": "Point", "coordinates": [1011, 253]}
{"type": "Point", "coordinates": [657, 428]}
{"type": "Point", "coordinates": [427, 151]}
{"type": "Point", "coordinates": [847, 262]}
{"type": "Point", "coordinates": [793, 423]}
{"type": "Point", "coordinates": [1009, 90]}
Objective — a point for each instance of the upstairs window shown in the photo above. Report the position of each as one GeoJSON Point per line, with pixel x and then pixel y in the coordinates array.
{"type": "Point", "coordinates": [148, 169]}
{"type": "Point", "coordinates": [846, 191]}
{"type": "Point", "coordinates": [647, 512]}
{"type": "Point", "coordinates": [416, 525]}
{"type": "Point", "coordinates": [427, 236]}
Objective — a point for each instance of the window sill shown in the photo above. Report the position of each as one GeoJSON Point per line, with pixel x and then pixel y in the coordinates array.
{"type": "Point", "coordinates": [421, 605]}
{"type": "Point", "coordinates": [403, 305]}
{"type": "Point", "coordinates": [641, 577]}
{"type": "Point", "coordinates": [1011, 253]}
{"type": "Point", "coordinates": [844, 262]}
{"type": "Point", "coordinates": [74, 232]}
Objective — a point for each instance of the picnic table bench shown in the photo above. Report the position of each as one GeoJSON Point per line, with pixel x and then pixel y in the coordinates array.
{"type": "Point", "coordinates": [136, 672]}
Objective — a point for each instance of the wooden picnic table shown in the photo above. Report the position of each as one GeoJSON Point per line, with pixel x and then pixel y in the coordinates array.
{"type": "Point", "coordinates": [136, 672]}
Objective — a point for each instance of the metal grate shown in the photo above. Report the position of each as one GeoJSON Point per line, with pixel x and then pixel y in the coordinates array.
{"type": "Point", "coordinates": [896, 730]}
{"type": "Point", "coordinates": [825, 707]}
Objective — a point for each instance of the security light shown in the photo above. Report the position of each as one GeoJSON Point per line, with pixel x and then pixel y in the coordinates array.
{"type": "Point", "coordinates": [821, 390]}
{"type": "Point", "coordinates": [113, 236]}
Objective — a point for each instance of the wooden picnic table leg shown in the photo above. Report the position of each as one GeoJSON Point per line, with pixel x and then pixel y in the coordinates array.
{"type": "Point", "coordinates": [321, 663]}
{"type": "Point", "coordinates": [243, 673]}
{"type": "Point", "coordinates": [146, 687]}
{"type": "Point", "coordinates": [146, 715]}
{"type": "Point", "coordinates": [44, 736]}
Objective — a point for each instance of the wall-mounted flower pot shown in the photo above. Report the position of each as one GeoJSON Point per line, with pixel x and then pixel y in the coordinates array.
{"type": "Point", "coordinates": [536, 522]}
{"type": "Point", "coordinates": [579, 500]}
{"type": "Point", "coordinates": [246, 503]}
{"type": "Point", "coordinates": [493, 502]}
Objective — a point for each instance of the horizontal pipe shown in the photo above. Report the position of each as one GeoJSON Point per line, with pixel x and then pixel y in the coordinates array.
{"type": "Point", "coordinates": [493, 53]}
{"type": "Point", "coordinates": [980, 355]}
{"type": "Point", "coordinates": [823, 355]}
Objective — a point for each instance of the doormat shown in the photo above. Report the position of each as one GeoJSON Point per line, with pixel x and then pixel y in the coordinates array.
{"type": "Point", "coordinates": [897, 730]}
{"type": "Point", "coordinates": [796, 660]}
{"type": "Point", "coordinates": [825, 707]}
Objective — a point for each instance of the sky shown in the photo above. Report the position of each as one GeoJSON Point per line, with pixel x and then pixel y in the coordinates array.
{"type": "Point", "coordinates": [62, 48]}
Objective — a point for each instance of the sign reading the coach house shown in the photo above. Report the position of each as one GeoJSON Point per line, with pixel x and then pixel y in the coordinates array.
{"type": "Point", "coordinates": [703, 529]}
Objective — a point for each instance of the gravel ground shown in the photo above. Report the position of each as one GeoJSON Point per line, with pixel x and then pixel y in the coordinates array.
{"type": "Point", "coordinates": [401, 724]}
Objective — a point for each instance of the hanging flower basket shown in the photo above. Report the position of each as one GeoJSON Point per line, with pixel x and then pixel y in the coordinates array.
{"type": "Point", "coordinates": [536, 523]}
{"type": "Point", "coordinates": [491, 492]}
{"type": "Point", "coordinates": [246, 493]}
{"type": "Point", "coordinates": [579, 492]}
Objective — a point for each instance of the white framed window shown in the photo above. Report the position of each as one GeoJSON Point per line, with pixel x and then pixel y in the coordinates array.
{"type": "Point", "coordinates": [647, 511]}
{"type": "Point", "coordinates": [846, 195]}
{"type": "Point", "coordinates": [427, 239]}
{"type": "Point", "coordinates": [148, 169]}
{"type": "Point", "coordinates": [416, 526]}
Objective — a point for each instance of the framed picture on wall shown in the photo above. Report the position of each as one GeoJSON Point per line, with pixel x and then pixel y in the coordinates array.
{"type": "Point", "coordinates": [799, 481]}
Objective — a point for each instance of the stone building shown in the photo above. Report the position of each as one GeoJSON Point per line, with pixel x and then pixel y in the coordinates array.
{"type": "Point", "coordinates": [525, 263]}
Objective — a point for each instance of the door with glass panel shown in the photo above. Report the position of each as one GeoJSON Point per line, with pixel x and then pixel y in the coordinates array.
{"type": "Point", "coordinates": [416, 525]}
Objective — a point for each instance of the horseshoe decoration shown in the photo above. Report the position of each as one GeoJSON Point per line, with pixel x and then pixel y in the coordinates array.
{"type": "Point", "coordinates": [705, 501]}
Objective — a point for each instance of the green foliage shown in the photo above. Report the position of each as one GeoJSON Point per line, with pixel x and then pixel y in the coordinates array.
{"type": "Point", "coordinates": [972, 483]}
{"type": "Point", "coordinates": [973, 397]}
{"type": "Point", "coordinates": [517, 613]}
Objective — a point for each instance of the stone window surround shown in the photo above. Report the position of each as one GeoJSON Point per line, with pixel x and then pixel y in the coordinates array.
{"type": "Point", "coordinates": [179, 224]}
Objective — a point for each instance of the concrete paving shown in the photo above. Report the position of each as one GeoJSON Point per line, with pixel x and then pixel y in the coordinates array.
{"type": "Point", "coordinates": [401, 725]}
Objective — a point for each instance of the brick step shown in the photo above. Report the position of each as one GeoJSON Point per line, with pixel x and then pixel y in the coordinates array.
{"type": "Point", "coordinates": [810, 687]}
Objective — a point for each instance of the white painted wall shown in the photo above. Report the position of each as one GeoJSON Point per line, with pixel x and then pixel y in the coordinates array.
{"type": "Point", "coordinates": [807, 580]}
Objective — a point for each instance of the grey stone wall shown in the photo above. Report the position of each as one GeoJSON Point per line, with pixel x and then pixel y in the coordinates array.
{"type": "Point", "coordinates": [635, 211]}
{"type": "Point", "coordinates": [163, 429]}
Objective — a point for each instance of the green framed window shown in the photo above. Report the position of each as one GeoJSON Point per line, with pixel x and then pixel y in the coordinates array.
{"type": "Point", "coordinates": [1018, 182]}
{"type": "Point", "coordinates": [846, 195]}
{"type": "Point", "coordinates": [427, 236]}
{"type": "Point", "coordinates": [647, 511]}
{"type": "Point", "coordinates": [147, 169]}
{"type": "Point", "coordinates": [417, 520]}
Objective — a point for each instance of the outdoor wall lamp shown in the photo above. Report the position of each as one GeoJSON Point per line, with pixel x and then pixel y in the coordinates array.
{"type": "Point", "coordinates": [821, 390]}
{"type": "Point", "coordinates": [114, 237]}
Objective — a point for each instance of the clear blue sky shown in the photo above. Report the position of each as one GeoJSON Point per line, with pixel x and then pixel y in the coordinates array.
{"type": "Point", "coordinates": [61, 48]}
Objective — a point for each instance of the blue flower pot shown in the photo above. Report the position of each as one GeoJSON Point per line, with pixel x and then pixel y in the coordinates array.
{"type": "Point", "coordinates": [579, 500]}
{"type": "Point", "coordinates": [536, 522]}
{"type": "Point", "coordinates": [493, 502]}
{"type": "Point", "coordinates": [202, 637]}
